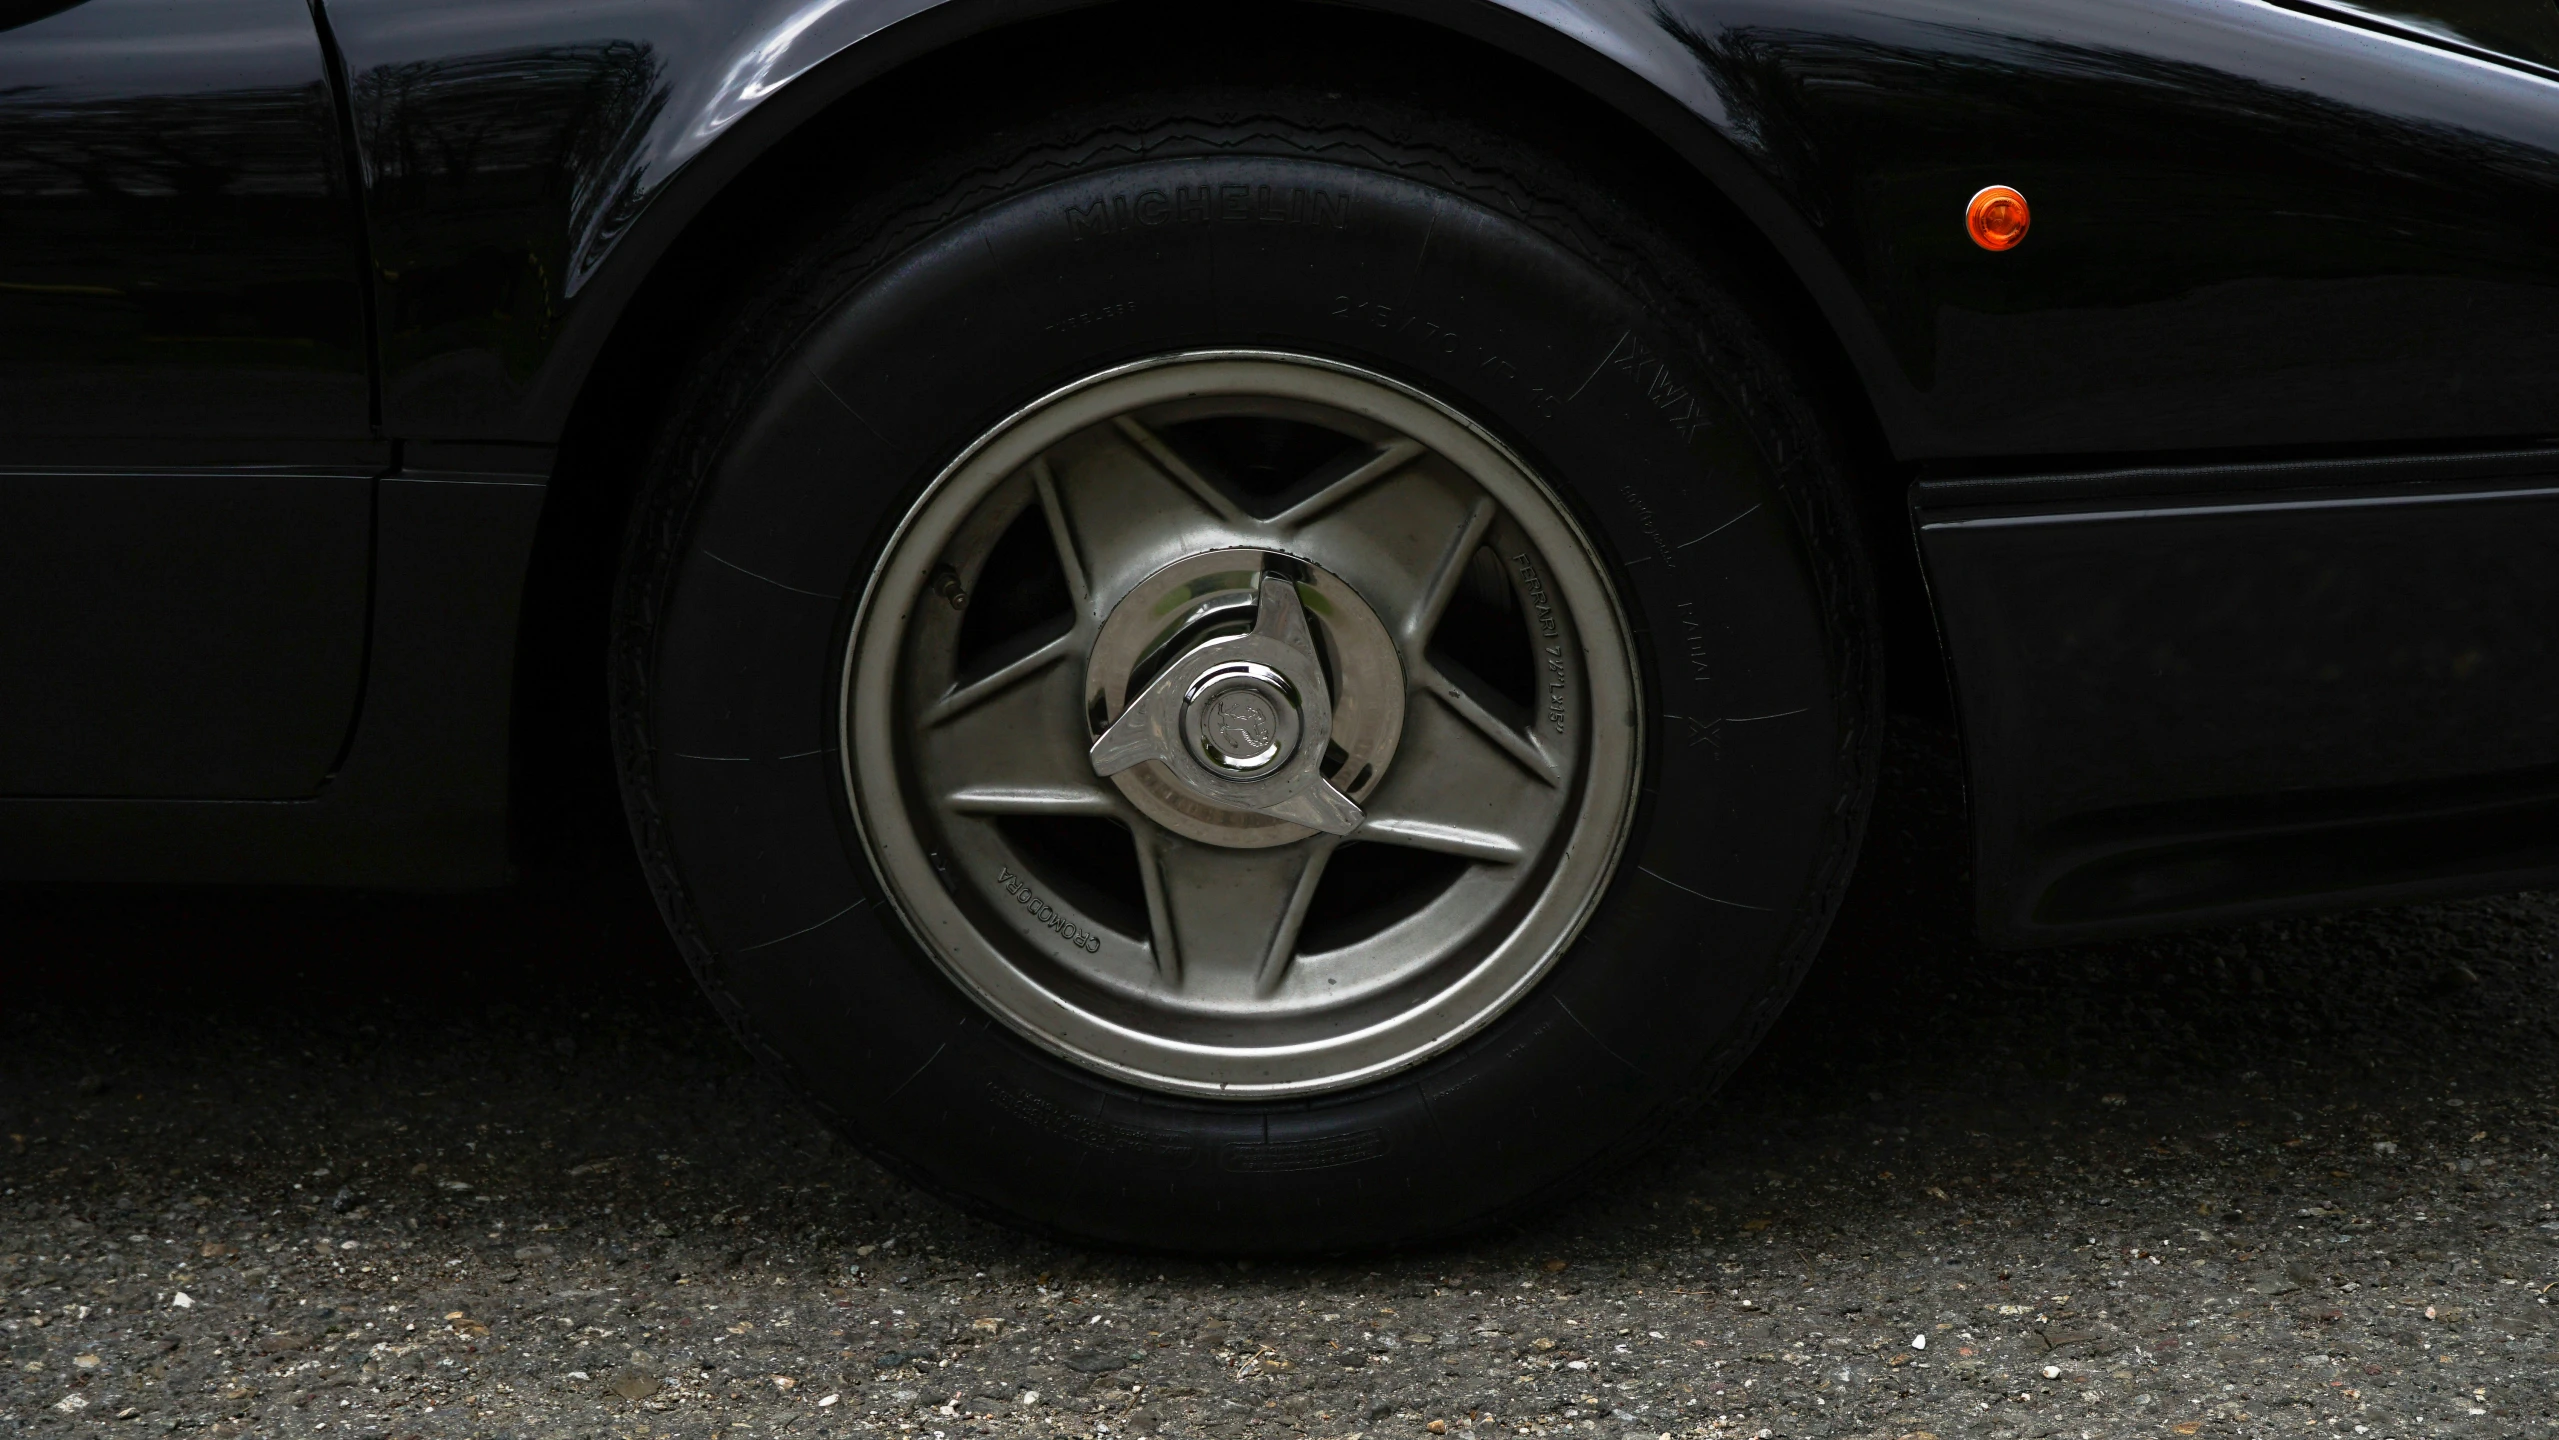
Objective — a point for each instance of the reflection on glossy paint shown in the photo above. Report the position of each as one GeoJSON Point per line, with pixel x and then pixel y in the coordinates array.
{"type": "Point", "coordinates": [178, 255]}
{"type": "Point", "coordinates": [759, 72]}
{"type": "Point", "coordinates": [2259, 251]}
{"type": "Point", "coordinates": [2275, 237]}
{"type": "Point", "coordinates": [483, 168]}
{"type": "Point", "coordinates": [553, 125]}
{"type": "Point", "coordinates": [2510, 30]}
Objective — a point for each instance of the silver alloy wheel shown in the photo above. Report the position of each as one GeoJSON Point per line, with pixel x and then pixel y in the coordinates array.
{"type": "Point", "coordinates": [1240, 723]}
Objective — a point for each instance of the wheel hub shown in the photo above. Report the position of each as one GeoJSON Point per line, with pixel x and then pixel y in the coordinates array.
{"type": "Point", "coordinates": [1214, 709]}
{"type": "Point", "coordinates": [1243, 719]}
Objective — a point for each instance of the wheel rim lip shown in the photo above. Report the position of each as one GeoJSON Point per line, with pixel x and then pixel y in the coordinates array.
{"type": "Point", "coordinates": [1485, 991]}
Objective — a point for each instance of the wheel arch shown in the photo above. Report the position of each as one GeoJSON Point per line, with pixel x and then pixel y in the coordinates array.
{"type": "Point", "coordinates": [1636, 92]}
{"type": "Point", "coordinates": [1640, 70]}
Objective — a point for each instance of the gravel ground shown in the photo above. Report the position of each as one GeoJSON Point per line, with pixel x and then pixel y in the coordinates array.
{"type": "Point", "coordinates": [293, 1164]}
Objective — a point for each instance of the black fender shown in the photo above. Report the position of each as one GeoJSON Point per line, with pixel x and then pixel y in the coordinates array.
{"type": "Point", "coordinates": [2255, 226]}
{"type": "Point", "coordinates": [461, 248]}
{"type": "Point", "coordinates": [2264, 235]}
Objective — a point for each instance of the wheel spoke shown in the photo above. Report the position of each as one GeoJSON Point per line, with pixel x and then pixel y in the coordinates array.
{"type": "Point", "coordinates": [999, 799]}
{"type": "Point", "coordinates": [1423, 618]}
{"type": "Point", "coordinates": [1390, 457]}
{"type": "Point", "coordinates": [1232, 916]}
{"type": "Point", "coordinates": [1485, 845]}
{"type": "Point", "coordinates": [961, 699]}
{"type": "Point", "coordinates": [1015, 753]}
{"type": "Point", "coordinates": [1422, 621]}
{"type": "Point", "coordinates": [1454, 790]}
{"type": "Point", "coordinates": [1179, 471]}
{"type": "Point", "coordinates": [1283, 947]}
{"type": "Point", "coordinates": [1161, 939]}
{"type": "Point", "coordinates": [1512, 741]}
{"type": "Point", "coordinates": [1122, 504]}
{"type": "Point", "coordinates": [1062, 535]}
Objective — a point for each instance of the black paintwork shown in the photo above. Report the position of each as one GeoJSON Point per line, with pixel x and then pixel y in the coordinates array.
{"type": "Point", "coordinates": [177, 255]}
{"type": "Point", "coordinates": [2254, 226]}
{"type": "Point", "coordinates": [186, 468]}
{"type": "Point", "coordinates": [2260, 228]}
{"type": "Point", "coordinates": [182, 632]}
{"type": "Point", "coordinates": [2512, 32]}
{"type": "Point", "coordinates": [418, 796]}
{"type": "Point", "coordinates": [2194, 693]}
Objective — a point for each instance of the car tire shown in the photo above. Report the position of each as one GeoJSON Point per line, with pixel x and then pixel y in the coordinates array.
{"type": "Point", "coordinates": [911, 427]}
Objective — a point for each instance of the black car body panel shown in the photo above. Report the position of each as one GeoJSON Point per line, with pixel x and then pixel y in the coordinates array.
{"type": "Point", "coordinates": [2263, 234]}
{"type": "Point", "coordinates": [414, 788]}
{"type": "Point", "coordinates": [181, 290]}
{"type": "Point", "coordinates": [2257, 226]}
{"type": "Point", "coordinates": [2211, 691]}
{"type": "Point", "coordinates": [180, 255]}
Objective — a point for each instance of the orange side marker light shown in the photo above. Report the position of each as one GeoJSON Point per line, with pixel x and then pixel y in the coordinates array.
{"type": "Point", "coordinates": [1996, 218]}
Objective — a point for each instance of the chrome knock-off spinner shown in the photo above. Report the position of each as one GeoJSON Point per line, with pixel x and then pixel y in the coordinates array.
{"type": "Point", "coordinates": [1239, 734]}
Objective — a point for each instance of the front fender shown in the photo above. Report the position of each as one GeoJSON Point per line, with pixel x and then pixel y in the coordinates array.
{"type": "Point", "coordinates": [2254, 226]}
{"type": "Point", "coordinates": [527, 164]}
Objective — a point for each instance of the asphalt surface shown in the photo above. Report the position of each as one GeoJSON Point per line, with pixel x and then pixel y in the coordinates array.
{"type": "Point", "coordinates": [292, 1164]}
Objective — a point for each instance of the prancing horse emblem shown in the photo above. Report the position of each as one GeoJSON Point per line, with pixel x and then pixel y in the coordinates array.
{"type": "Point", "coordinates": [1242, 724]}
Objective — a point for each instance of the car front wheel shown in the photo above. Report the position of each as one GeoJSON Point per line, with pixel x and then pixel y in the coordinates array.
{"type": "Point", "coordinates": [1246, 673]}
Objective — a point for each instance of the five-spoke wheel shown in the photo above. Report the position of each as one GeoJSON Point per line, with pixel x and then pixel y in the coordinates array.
{"type": "Point", "coordinates": [1242, 723]}
{"type": "Point", "coordinates": [1246, 671]}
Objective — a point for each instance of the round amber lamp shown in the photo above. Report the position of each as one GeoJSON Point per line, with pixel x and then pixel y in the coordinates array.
{"type": "Point", "coordinates": [1996, 218]}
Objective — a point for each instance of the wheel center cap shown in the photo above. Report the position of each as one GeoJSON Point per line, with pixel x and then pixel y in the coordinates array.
{"type": "Point", "coordinates": [1243, 719]}
{"type": "Point", "coordinates": [1234, 725]}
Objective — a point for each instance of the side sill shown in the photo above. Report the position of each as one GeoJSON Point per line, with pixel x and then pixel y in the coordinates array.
{"type": "Point", "coordinates": [420, 801]}
{"type": "Point", "coordinates": [2203, 695]}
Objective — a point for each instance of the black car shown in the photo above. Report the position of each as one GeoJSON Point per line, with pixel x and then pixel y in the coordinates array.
{"type": "Point", "coordinates": [1265, 626]}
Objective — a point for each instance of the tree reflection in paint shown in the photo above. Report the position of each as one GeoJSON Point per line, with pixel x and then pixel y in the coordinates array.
{"type": "Point", "coordinates": [485, 172]}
